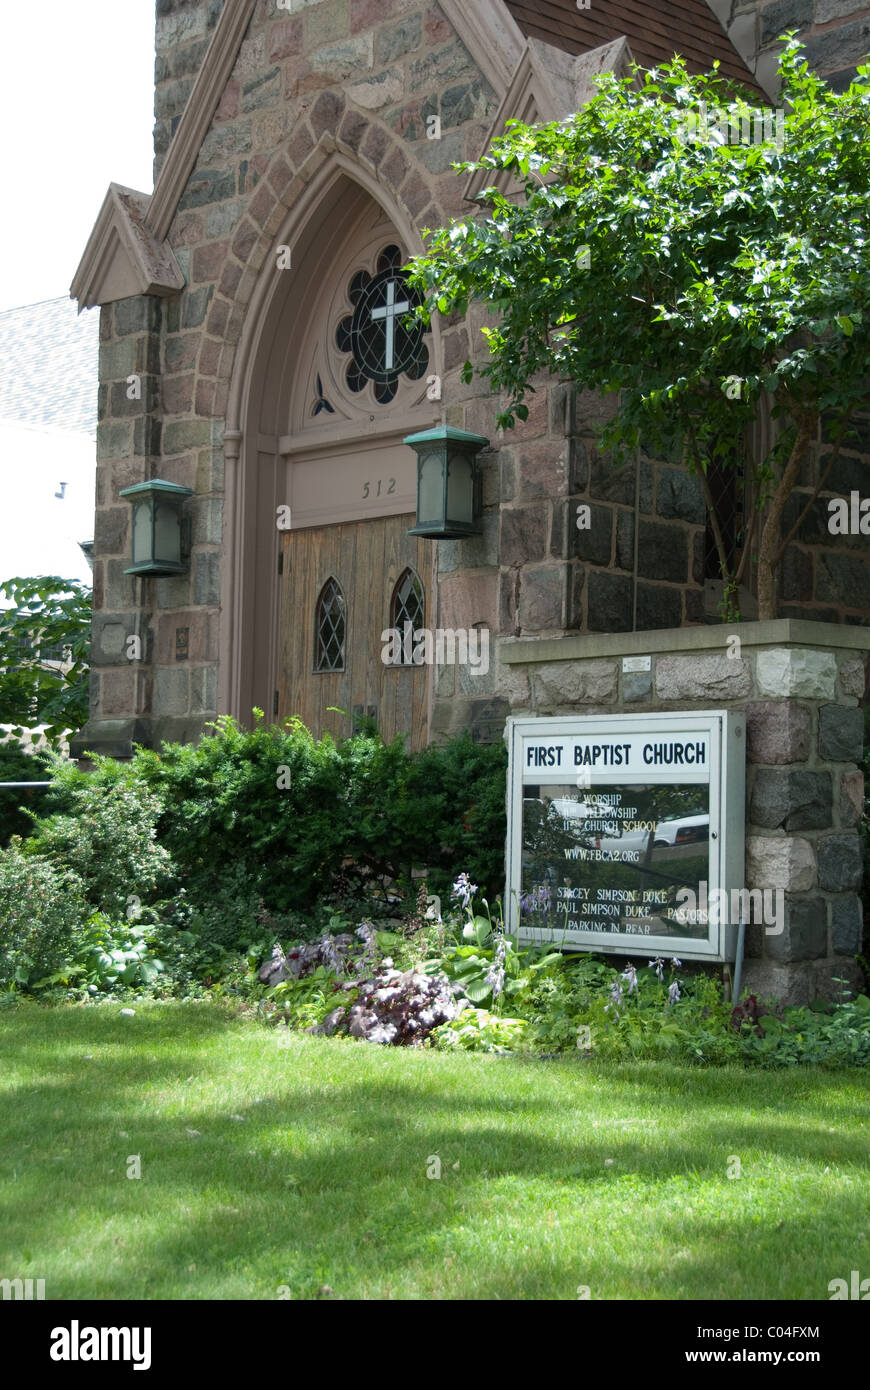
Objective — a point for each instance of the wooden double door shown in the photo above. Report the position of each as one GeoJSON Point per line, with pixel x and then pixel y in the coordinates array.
{"type": "Point", "coordinates": [365, 559]}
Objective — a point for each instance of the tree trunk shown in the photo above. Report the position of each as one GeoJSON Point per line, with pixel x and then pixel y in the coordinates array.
{"type": "Point", "coordinates": [767, 552]}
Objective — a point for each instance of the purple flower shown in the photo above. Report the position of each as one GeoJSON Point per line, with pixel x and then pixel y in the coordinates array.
{"type": "Point", "coordinates": [495, 974]}
{"type": "Point", "coordinates": [463, 890]}
{"type": "Point", "coordinates": [538, 898]}
{"type": "Point", "coordinates": [673, 992]}
{"type": "Point", "coordinates": [676, 963]}
{"type": "Point", "coordinates": [616, 997]}
{"type": "Point", "coordinates": [658, 966]}
{"type": "Point", "coordinates": [630, 974]}
{"type": "Point", "coordinates": [495, 978]}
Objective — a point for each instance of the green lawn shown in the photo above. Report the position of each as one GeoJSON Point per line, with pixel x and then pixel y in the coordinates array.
{"type": "Point", "coordinates": [309, 1159]}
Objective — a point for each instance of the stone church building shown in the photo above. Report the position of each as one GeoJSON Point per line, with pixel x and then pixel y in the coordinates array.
{"type": "Point", "coordinates": [253, 355]}
{"type": "Point", "coordinates": [307, 126]}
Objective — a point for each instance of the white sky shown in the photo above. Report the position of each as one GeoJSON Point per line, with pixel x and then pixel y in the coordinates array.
{"type": "Point", "coordinates": [39, 531]}
{"type": "Point", "coordinates": [76, 111]}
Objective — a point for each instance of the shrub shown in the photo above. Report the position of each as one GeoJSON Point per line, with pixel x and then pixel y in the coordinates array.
{"type": "Point", "coordinates": [305, 1001]}
{"type": "Point", "coordinates": [106, 832]}
{"type": "Point", "coordinates": [339, 985]}
{"type": "Point", "coordinates": [487, 963]}
{"type": "Point", "coordinates": [192, 965]}
{"type": "Point", "coordinates": [233, 914]}
{"type": "Point", "coordinates": [41, 909]}
{"type": "Point", "coordinates": [557, 1002]}
{"type": "Point", "coordinates": [865, 830]}
{"type": "Point", "coordinates": [17, 765]}
{"type": "Point", "coordinates": [300, 817]}
{"type": "Point", "coordinates": [331, 951]}
{"type": "Point", "coordinates": [633, 1013]}
{"type": "Point", "coordinates": [455, 812]}
{"type": "Point", "coordinates": [224, 810]}
{"type": "Point", "coordinates": [270, 822]}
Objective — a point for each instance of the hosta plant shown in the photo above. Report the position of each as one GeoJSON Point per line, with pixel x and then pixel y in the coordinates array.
{"type": "Point", "coordinates": [478, 1030]}
{"type": "Point", "coordinates": [482, 958]}
{"type": "Point", "coordinates": [111, 954]}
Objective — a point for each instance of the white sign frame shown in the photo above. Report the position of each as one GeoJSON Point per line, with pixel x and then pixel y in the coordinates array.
{"type": "Point", "coordinates": [722, 732]}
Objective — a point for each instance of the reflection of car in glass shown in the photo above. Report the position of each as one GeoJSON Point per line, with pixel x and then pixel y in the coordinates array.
{"type": "Point", "coordinates": [687, 830]}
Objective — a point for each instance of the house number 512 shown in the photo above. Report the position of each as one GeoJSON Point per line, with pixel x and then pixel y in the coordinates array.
{"type": "Point", "coordinates": [387, 491]}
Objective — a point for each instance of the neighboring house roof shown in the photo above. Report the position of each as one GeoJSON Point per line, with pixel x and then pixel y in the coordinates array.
{"type": "Point", "coordinates": [654, 32]}
{"type": "Point", "coordinates": [49, 367]}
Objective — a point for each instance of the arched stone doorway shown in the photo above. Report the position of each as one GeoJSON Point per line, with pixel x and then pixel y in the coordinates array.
{"type": "Point", "coordinates": [315, 423]}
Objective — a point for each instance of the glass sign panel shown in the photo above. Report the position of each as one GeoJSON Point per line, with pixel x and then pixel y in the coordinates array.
{"type": "Point", "coordinates": [620, 827]}
{"type": "Point", "coordinates": [615, 858]}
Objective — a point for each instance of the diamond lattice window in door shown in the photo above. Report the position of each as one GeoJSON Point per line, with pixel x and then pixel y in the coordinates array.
{"type": "Point", "coordinates": [331, 628]}
{"type": "Point", "coordinates": [409, 606]}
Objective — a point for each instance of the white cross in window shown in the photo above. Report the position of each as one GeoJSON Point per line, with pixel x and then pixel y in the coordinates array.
{"type": "Point", "coordinates": [390, 312]}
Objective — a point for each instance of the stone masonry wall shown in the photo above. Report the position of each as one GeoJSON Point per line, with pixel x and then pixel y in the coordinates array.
{"type": "Point", "coordinates": [358, 76]}
{"type": "Point", "coordinates": [827, 577]}
{"type": "Point", "coordinates": [836, 34]}
{"type": "Point", "coordinates": [182, 35]}
{"type": "Point", "coordinates": [804, 787]}
{"type": "Point", "coordinates": [174, 618]}
{"type": "Point", "coordinates": [554, 578]}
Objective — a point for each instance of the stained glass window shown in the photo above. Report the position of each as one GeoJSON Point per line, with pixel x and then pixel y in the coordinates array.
{"type": "Point", "coordinates": [320, 401]}
{"type": "Point", "coordinates": [330, 628]}
{"type": "Point", "coordinates": [383, 340]}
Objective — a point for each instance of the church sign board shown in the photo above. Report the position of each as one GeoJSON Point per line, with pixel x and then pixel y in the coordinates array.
{"type": "Point", "coordinates": [621, 829]}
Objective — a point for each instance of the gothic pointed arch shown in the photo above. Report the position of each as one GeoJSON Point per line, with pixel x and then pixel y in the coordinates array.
{"type": "Point", "coordinates": [330, 628]}
{"type": "Point", "coordinates": [309, 424]}
{"type": "Point", "coordinates": [408, 606]}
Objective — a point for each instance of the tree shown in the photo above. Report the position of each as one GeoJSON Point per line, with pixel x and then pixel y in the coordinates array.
{"type": "Point", "coordinates": [700, 280]}
{"type": "Point", "coordinates": [45, 640]}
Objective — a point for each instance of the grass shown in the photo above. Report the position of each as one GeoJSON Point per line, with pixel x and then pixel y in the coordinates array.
{"type": "Point", "coordinates": [272, 1161]}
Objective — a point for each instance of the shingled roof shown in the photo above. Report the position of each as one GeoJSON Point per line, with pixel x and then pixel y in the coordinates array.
{"type": "Point", "coordinates": [49, 362]}
{"type": "Point", "coordinates": [655, 33]}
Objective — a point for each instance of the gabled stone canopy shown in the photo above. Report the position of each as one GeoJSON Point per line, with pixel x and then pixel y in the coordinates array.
{"type": "Point", "coordinates": [655, 32]}
{"type": "Point", "coordinates": [123, 258]}
{"type": "Point", "coordinates": [127, 252]}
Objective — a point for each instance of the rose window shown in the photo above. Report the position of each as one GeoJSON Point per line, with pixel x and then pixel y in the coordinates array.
{"type": "Point", "coordinates": [381, 335]}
